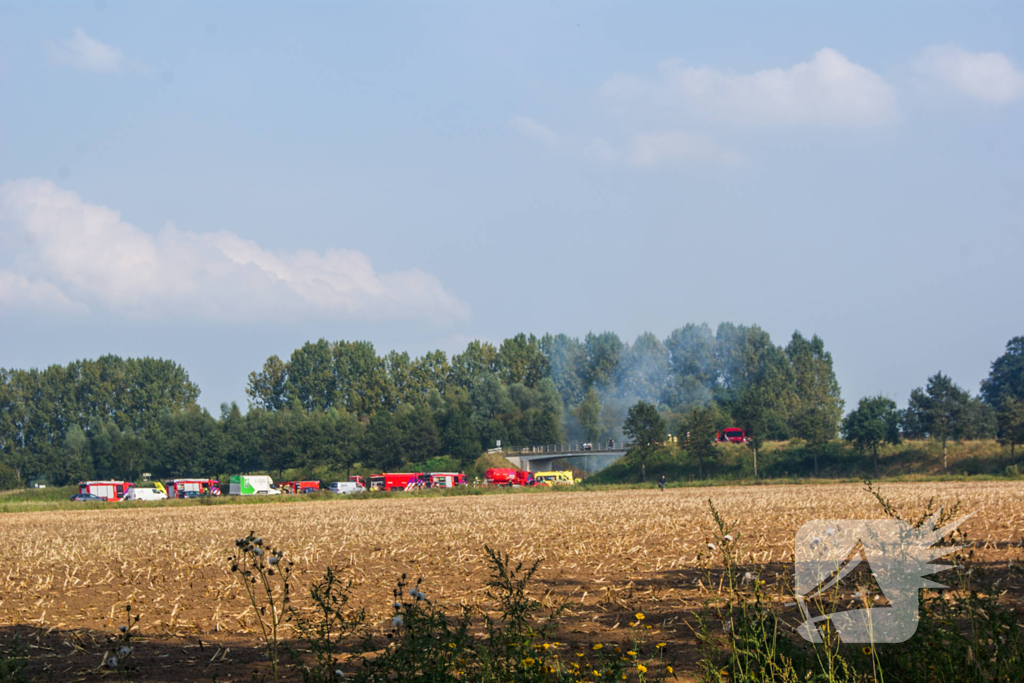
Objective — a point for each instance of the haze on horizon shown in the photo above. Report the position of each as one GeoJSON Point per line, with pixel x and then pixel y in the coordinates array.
{"type": "Point", "coordinates": [214, 185]}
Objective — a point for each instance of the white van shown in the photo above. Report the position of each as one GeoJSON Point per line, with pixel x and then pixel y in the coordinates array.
{"type": "Point", "coordinates": [145, 494]}
{"type": "Point", "coordinates": [346, 487]}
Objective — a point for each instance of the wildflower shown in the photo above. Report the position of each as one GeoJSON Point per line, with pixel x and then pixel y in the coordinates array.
{"type": "Point", "coordinates": [274, 560]}
{"type": "Point", "coordinates": [815, 541]}
{"type": "Point", "coordinates": [545, 646]}
{"type": "Point", "coordinates": [660, 645]}
{"type": "Point", "coordinates": [124, 629]}
{"type": "Point", "coordinates": [866, 650]}
{"type": "Point", "coordinates": [748, 577]}
{"type": "Point", "coordinates": [631, 653]}
{"type": "Point", "coordinates": [640, 616]}
{"type": "Point", "coordinates": [641, 668]}
{"type": "Point", "coordinates": [258, 552]}
{"type": "Point", "coordinates": [397, 621]}
{"type": "Point", "coordinates": [728, 538]}
{"type": "Point", "coordinates": [597, 646]}
{"type": "Point", "coordinates": [339, 673]}
{"type": "Point", "coordinates": [529, 661]}
{"type": "Point", "coordinates": [830, 532]}
{"type": "Point", "coordinates": [124, 651]}
{"type": "Point", "coordinates": [712, 546]}
{"type": "Point", "coordinates": [111, 663]}
{"type": "Point", "coordinates": [669, 669]}
{"type": "Point", "coordinates": [579, 654]}
{"type": "Point", "coordinates": [397, 605]}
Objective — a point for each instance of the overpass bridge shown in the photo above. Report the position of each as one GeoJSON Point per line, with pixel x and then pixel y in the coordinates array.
{"type": "Point", "coordinates": [590, 458]}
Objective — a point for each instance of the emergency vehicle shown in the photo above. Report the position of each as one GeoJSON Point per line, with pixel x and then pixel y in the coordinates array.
{"type": "Point", "coordinates": [405, 481]}
{"type": "Point", "coordinates": [299, 486]}
{"type": "Point", "coordinates": [446, 480]}
{"type": "Point", "coordinates": [177, 487]}
{"type": "Point", "coordinates": [108, 490]}
{"type": "Point", "coordinates": [507, 476]}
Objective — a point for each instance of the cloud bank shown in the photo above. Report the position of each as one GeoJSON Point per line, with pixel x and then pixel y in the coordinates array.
{"type": "Point", "coordinates": [984, 76]}
{"type": "Point", "coordinates": [827, 90]}
{"type": "Point", "coordinates": [66, 255]}
{"type": "Point", "coordinates": [88, 54]}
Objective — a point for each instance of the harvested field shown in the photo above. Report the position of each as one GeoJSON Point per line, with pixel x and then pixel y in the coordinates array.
{"type": "Point", "coordinates": [69, 574]}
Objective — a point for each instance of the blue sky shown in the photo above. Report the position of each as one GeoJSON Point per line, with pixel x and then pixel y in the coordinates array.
{"type": "Point", "coordinates": [219, 185]}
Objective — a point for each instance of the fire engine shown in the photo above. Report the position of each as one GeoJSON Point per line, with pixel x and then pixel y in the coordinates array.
{"type": "Point", "coordinates": [396, 482]}
{"type": "Point", "coordinates": [447, 480]}
{"type": "Point", "coordinates": [731, 435]}
{"type": "Point", "coordinates": [299, 486]}
{"type": "Point", "coordinates": [176, 488]}
{"type": "Point", "coordinates": [110, 490]}
{"type": "Point", "coordinates": [506, 476]}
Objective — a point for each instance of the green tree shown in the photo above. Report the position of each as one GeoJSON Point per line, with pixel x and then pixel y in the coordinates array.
{"type": "Point", "coordinates": [697, 430]}
{"type": "Point", "coordinates": [588, 412]}
{"type": "Point", "coordinates": [1011, 423]}
{"type": "Point", "coordinates": [478, 358]}
{"type": "Point", "coordinates": [568, 361]}
{"type": "Point", "coordinates": [937, 411]}
{"type": "Point", "coordinates": [382, 442]}
{"type": "Point", "coordinates": [521, 360]}
{"type": "Point", "coordinates": [645, 427]}
{"type": "Point", "coordinates": [819, 406]}
{"type": "Point", "coordinates": [267, 389]}
{"type": "Point", "coordinates": [1006, 377]}
{"type": "Point", "coordinates": [603, 353]}
{"type": "Point", "coordinates": [420, 439]}
{"type": "Point", "coordinates": [875, 421]}
{"type": "Point", "coordinates": [693, 366]}
{"type": "Point", "coordinates": [460, 438]}
{"type": "Point", "coordinates": [753, 413]}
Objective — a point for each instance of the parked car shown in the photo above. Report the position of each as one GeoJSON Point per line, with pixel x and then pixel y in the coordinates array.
{"type": "Point", "coordinates": [87, 498]}
{"type": "Point", "coordinates": [191, 494]}
{"type": "Point", "coordinates": [731, 435]}
{"type": "Point", "coordinates": [346, 487]}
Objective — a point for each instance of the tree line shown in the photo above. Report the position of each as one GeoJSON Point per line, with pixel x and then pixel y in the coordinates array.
{"type": "Point", "coordinates": [335, 405]}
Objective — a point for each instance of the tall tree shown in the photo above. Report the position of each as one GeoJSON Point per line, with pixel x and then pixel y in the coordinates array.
{"type": "Point", "coordinates": [478, 358]}
{"type": "Point", "coordinates": [568, 361]}
{"type": "Point", "coordinates": [819, 405]}
{"type": "Point", "coordinates": [588, 412]}
{"type": "Point", "coordinates": [382, 442]}
{"type": "Point", "coordinates": [875, 421]}
{"type": "Point", "coordinates": [267, 389]}
{"type": "Point", "coordinates": [521, 360]}
{"type": "Point", "coordinates": [937, 411]}
{"type": "Point", "coordinates": [603, 353]}
{"type": "Point", "coordinates": [697, 430]}
{"type": "Point", "coordinates": [1011, 423]}
{"type": "Point", "coordinates": [646, 428]}
{"type": "Point", "coordinates": [420, 439]}
{"type": "Point", "coordinates": [1006, 377]}
{"type": "Point", "coordinates": [693, 365]}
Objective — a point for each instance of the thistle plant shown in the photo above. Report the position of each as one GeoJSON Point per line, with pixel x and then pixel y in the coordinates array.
{"type": "Point", "coordinates": [264, 574]}
{"type": "Point", "coordinates": [121, 661]}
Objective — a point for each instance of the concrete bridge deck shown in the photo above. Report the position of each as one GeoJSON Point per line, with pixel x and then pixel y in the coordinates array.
{"type": "Point", "coordinates": [543, 458]}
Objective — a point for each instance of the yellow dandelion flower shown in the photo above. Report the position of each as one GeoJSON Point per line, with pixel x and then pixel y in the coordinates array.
{"type": "Point", "coordinates": [631, 653]}
{"type": "Point", "coordinates": [660, 645]}
{"type": "Point", "coordinates": [640, 616]}
{"type": "Point", "coordinates": [597, 646]}
{"type": "Point", "coordinates": [669, 669]}
{"type": "Point", "coordinates": [641, 668]}
{"type": "Point", "coordinates": [545, 646]}
{"type": "Point", "coordinates": [866, 650]}
{"type": "Point", "coordinates": [529, 661]}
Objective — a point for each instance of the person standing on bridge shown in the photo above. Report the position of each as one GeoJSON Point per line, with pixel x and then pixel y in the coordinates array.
{"type": "Point", "coordinates": [661, 483]}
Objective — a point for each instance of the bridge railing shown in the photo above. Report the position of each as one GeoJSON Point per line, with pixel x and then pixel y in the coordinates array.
{"type": "Point", "coordinates": [554, 449]}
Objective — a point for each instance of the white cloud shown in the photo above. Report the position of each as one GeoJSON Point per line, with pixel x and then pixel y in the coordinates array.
{"type": "Point", "coordinates": [986, 76]}
{"type": "Point", "coordinates": [68, 254]}
{"type": "Point", "coordinates": [643, 150]}
{"type": "Point", "coordinates": [88, 54]}
{"type": "Point", "coordinates": [535, 130]}
{"type": "Point", "coordinates": [651, 149]}
{"type": "Point", "coordinates": [827, 90]}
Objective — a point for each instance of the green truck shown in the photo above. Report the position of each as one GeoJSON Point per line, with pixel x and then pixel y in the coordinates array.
{"type": "Point", "coordinates": [251, 485]}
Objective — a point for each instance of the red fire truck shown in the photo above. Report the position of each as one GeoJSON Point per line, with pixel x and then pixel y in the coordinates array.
{"type": "Point", "coordinates": [299, 486]}
{"type": "Point", "coordinates": [732, 435]}
{"type": "Point", "coordinates": [507, 476]}
{"type": "Point", "coordinates": [356, 479]}
{"type": "Point", "coordinates": [446, 480]}
{"type": "Point", "coordinates": [396, 482]}
{"type": "Point", "coordinates": [176, 488]}
{"type": "Point", "coordinates": [109, 490]}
